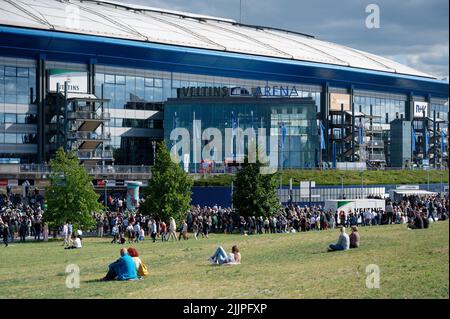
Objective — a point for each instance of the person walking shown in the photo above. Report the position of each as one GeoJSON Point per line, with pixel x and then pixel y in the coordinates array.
{"type": "Point", "coordinates": [172, 229]}
{"type": "Point", "coordinates": [100, 227]}
{"type": "Point", "coordinates": [153, 230]}
{"type": "Point", "coordinates": [23, 230]}
{"type": "Point", "coordinates": [5, 234]}
{"type": "Point", "coordinates": [163, 230]}
{"type": "Point", "coordinates": [37, 230]}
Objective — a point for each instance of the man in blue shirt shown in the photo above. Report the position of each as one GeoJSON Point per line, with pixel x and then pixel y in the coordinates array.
{"type": "Point", "coordinates": [123, 268]}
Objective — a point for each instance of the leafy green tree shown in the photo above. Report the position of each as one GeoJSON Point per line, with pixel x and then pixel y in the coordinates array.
{"type": "Point", "coordinates": [169, 190]}
{"type": "Point", "coordinates": [254, 193]}
{"type": "Point", "coordinates": [71, 195]}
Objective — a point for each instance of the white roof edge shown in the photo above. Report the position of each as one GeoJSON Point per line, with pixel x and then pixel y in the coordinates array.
{"type": "Point", "coordinates": [154, 9]}
{"type": "Point", "coordinates": [114, 19]}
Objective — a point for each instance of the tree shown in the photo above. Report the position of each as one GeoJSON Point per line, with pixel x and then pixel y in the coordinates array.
{"type": "Point", "coordinates": [71, 195]}
{"type": "Point", "coordinates": [169, 190]}
{"type": "Point", "coordinates": [254, 193]}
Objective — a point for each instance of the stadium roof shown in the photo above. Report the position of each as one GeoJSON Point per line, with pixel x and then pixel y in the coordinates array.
{"type": "Point", "coordinates": [146, 24]}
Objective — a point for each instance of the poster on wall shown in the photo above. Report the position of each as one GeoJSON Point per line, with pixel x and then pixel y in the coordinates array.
{"type": "Point", "coordinates": [77, 81]}
{"type": "Point", "coordinates": [419, 108]}
{"type": "Point", "coordinates": [339, 99]}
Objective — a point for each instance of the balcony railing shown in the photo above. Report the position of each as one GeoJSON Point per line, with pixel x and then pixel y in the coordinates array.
{"type": "Point", "coordinates": [375, 144]}
{"type": "Point", "coordinates": [91, 169]}
{"type": "Point", "coordinates": [96, 154]}
{"type": "Point", "coordinates": [88, 136]}
{"type": "Point", "coordinates": [377, 157]}
{"type": "Point", "coordinates": [87, 115]}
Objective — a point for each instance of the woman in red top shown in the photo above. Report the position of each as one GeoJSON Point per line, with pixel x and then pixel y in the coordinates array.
{"type": "Point", "coordinates": [163, 229]}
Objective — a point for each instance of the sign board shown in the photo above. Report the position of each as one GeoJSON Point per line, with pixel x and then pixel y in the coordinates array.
{"type": "Point", "coordinates": [237, 91]}
{"type": "Point", "coordinates": [304, 189]}
{"type": "Point", "coordinates": [111, 183]}
{"type": "Point", "coordinates": [339, 99]}
{"type": "Point", "coordinates": [13, 182]}
{"type": "Point", "coordinates": [120, 183]}
{"type": "Point", "coordinates": [419, 108]}
{"type": "Point", "coordinates": [3, 182]}
{"type": "Point", "coordinates": [77, 81]}
{"type": "Point", "coordinates": [408, 187]}
{"type": "Point", "coordinates": [42, 183]}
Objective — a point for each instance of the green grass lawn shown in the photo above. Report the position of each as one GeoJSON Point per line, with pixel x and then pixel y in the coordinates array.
{"type": "Point", "coordinates": [333, 177]}
{"type": "Point", "coordinates": [413, 264]}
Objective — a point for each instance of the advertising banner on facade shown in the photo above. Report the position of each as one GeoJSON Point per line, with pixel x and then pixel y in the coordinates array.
{"type": "Point", "coordinates": [419, 108]}
{"type": "Point", "coordinates": [77, 81]}
{"type": "Point", "coordinates": [13, 182]}
{"type": "Point", "coordinates": [339, 99]}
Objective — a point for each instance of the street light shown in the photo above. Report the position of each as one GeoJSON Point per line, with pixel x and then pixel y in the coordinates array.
{"type": "Point", "coordinates": [154, 151]}
{"type": "Point", "coordinates": [342, 185]}
{"type": "Point", "coordinates": [362, 183]}
{"type": "Point", "coordinates": [106, 192]}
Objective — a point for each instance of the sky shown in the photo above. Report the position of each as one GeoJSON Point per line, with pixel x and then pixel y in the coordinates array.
{"type": "Point", "coordinates": [411, 32]}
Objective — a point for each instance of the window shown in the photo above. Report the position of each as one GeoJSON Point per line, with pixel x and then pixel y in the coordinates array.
{"type": "Point", "coordinates": [10, 71]}
{"type": "Point", "coordinates": [22, 72]}
{"type": "Point", "coordinates": [110, 78]}
{"type": "Point", "coordinates": [10, 138]}
{"type": "Point", "coordinates": [120, 79]}
{"type": "Point", "coordinates": [21, 118]}
{"type": "Point", "coordinates": [149, 82]}
{"type": "Point", "coordinates": [158, 83]}
{"type": "Point", "coordinates": [10, 118]}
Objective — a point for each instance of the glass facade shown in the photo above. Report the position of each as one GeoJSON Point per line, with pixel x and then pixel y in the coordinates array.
{"type": "Point", "coordinates": [18, 112]}
{"type": "Point", "coordinates": [137, 100]}
{"type": "Point", "coordinates": [293, 123]}
{"type": "Point", "coordinates": [137, 104]}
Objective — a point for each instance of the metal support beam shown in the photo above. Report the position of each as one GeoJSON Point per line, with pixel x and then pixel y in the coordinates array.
{"type": "Point", "coordinates": [352, 104]}
{"type": "Point", "coordinates": [40, 101]}
{"type": "Point", "coordinates": [324, 111]}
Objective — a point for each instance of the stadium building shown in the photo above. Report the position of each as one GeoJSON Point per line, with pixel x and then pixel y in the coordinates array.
{"type": "Point", "coordinates": [108, 80]}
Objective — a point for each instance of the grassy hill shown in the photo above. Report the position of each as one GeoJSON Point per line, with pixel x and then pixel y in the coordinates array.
{"type": "Point", "coordinates": [413, 264]}
{"type": "Point", "coordinates": [333, 177]}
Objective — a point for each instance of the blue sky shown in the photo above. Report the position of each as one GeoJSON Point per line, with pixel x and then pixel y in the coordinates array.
{"type": "Point", "coordinates": [412, 32]}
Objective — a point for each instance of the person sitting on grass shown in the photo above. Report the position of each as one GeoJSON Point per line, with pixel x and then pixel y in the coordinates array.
{"type": "Point", "coordinates": [220, 257]}
{"type": "Point", "coordinates": [343, 242]}
{"type": "Point", "coordinates": [354, 237]}
{"type": "Point", "coordinates": [416, 222]}
{"type": "Point", "coordinates": [123, 268]}
{"type": "Point", "coordinates": [141, 268]}
{"type": "Point", "coordinates": [76, 242]}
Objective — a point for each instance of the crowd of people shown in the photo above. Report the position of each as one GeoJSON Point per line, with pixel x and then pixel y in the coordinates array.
{"type": "Point", "coordinates": [24, 217]}
{"type": "Point", "coordinates": [21, 218]}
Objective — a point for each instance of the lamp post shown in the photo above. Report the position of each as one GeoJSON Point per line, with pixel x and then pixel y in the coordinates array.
{"type": "Point", "coordinates": [154, 151]}
{"type": "Point", "coordinates": [362, 183]}
{"type": "Point", "coordinates": [105, 181]}
{"type": "Point", "coordinates": [342, 185]}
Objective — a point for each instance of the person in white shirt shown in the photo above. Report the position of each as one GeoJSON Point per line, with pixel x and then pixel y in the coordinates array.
{"type": "Point", "coordinates": [172, 229]}
{"type": "Point", "coordinates": [137, 232]}
{"type": "Point", "coordinates": [65, 233]}
{"type": "Point", "coordinates": [76, 243]}
{"type": "Point", "coordinates": [220, 257]}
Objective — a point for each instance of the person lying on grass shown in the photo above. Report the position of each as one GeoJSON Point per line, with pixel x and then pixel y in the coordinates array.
{"type": "Point", "coordinates": [220, 257]}
{"type": "Point", "coordinates": [343, 242]}
{"type": "Point", "coordinates": [123, 268]}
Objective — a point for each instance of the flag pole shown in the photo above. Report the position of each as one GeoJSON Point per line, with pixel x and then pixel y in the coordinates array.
{"type": "Point", "coordinates": [194, 144]}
